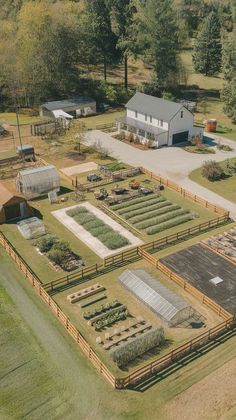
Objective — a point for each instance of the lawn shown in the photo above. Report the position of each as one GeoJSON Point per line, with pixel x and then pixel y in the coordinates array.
{"type": "Point", "coordinates": [56, 368]}
{"type": "Point", "coordinates": [224, 187]}
{"type": "Point", "coordinates": [10, 118]}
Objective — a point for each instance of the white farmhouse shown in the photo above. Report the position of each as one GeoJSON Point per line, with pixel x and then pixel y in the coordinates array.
{"type": "Point", "coordinates": [157, 121]}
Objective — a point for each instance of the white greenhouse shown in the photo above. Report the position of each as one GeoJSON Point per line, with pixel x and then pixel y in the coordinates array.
{"type": "Point", "coordinates": [31, 228]}
{"type": "Point", "coordinates": [38, 181]}
{"type": "Point", "coordinates": [161, 300]}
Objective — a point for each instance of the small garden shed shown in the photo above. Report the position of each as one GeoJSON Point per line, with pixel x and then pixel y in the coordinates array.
{"type": "Point", "coordinates": [13, 206]}
{"type": "Point", "coordinates": [38, 181]}
{"type": "Point", "coordinates": [166, 304]}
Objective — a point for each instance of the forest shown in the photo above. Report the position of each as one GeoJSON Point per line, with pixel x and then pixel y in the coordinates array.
{"type": "Point", "coordinates": [52, 49]}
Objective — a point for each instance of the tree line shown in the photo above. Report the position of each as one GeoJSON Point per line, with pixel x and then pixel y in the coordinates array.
{"type": "Point", "coordinates": [45, 44]}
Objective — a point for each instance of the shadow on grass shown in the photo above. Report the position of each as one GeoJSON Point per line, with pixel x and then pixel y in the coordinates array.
{"type": "Point", "coordinates": [152, 380]}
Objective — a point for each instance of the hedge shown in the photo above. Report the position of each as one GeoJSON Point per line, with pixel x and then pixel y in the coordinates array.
{"type": "Point", "coordinates": [160, 219]}
{"type": "Point", "coordinates": [100, 230]}
{"type": "Point", "coordinates": [139, 206]}
{"type": "Point", "coordinates": [140, 345]}
{"type": "Point", "coordinates": [146, 210]}
{"type": "Point", "coordinates": [167, 225]}
{"type": "Point", "coordinates": [134, 201]}
{"type": "Point", "coordinates": [149, 214]}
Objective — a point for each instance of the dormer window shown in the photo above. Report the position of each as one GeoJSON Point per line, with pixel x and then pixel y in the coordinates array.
{"type": "Point", "coordinates": [182, 114]}
{"type": "Point", "coordinates": [145, 117]}
{"type": "Point", "coordinates": [150, 119]}
{"type": "Point", "coordinates": [161, 123]}
{"type": "Point", "coordinates": [136, 114]}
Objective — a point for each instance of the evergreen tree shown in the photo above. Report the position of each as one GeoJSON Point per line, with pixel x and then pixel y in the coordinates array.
{"type": "Point", "coordinates": [207, 49]}
{"type": "Point", "coordinates": [156, 35]}
{"type": "Point", "coordinates": [228, 95]}
{"type": "Point", "coordinates": [229, 57]}
{"type": "Point", "coordinates": [101, 40]}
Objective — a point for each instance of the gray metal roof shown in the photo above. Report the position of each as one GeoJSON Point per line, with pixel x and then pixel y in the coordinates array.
{"type": "Point", "coordinates": [156, 107]}
{"type": "Point", "coordinates": [141, 125]}
{"type": "Point", "coordinates": [160, 299]}
{"type": "Point", "coordinates": [40, 169]}
{"type": "Point", "coordinates": [66, 103]}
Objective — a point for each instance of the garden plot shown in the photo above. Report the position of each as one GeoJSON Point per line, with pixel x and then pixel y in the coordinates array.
{"type": "Point", "coordinates": [212, 274]}
{"type": "Point", "coordinates": [152, 213]}
{"type": "Point", "coordinates": [97, 230]}
{"type": "Point", "coordinates": [224, 244]}
{"type": "Point", "coordinates": [80, 169]}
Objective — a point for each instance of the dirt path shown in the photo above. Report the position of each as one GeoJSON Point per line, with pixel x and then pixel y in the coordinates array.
{"type": "Point", "coordinates": [212, 398]}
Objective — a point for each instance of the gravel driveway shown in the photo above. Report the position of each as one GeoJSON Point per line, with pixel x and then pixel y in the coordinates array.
{"type": "Point", "coordinates": [173, 163]}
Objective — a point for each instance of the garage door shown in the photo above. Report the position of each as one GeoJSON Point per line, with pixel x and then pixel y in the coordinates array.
{"type": "Point", "coordinates": [12, 212]}
{"type": "Point", "coordinates": [180, 137]}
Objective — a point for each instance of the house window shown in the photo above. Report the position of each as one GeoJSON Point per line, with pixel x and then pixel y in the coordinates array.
{"type": "Point", "coordinates": [161, 123]}
{"type": "Point", "coordinates": [136, 114]}
{"type": "Point", "coordinates": [141, 133]}
{"type": "Point", "coordinates": [182, 114]}
{"type": "Point", "coordinates": [150, 119]}
{"type": "Point", "coordinates": [145, 117]}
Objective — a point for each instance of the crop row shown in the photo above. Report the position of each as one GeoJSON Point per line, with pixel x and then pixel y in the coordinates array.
{"type": "Point", "coordinates": [160, 219]}
{"type": "Point", "coordinates": [137, 200]}
{"type": "Point", "coordinates": [169, 224]}
{"type": "Point", "coordinates": [100, 230]}
{"type": "Point", "coordinates": [154, 201]}
{"type": "Point", "coordinates": [148, 214]}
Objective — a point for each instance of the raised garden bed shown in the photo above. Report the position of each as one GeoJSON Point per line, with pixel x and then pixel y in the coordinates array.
{"type": "Point", "coordinates": [92, 301]}
{"type": "Point", "coordinates": [84, 293]}
{"type": "Point", "coordinates": [100, 230]}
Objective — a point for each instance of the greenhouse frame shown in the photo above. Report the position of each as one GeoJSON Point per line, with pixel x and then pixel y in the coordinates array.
{"type": "Point", "coordinates": [38, 181]}
{"type": "Point", "coordinates": [31, 228]}
{"type": "Point", "coordinates": [170, 307]}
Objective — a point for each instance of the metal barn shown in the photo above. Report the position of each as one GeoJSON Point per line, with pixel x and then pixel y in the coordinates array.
{"type": "Point", "coordinates": [161, 300]}
{"type": "Point", "coordinates": [38, 181]}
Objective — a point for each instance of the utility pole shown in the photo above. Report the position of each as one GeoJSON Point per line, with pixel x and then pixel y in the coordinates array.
{"type": "Point", "coordinates": [19, 132]}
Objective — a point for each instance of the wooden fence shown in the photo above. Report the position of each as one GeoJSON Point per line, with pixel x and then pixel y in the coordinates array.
{"type": "Point", "coordinates": [150, 368]}
{"type": "Point", "coordinates": [185, 285]}
{"type": "Point", "coordinates": [64, 320]}
{"type": "Point", "coordinates": [184, 193]}
{"type": "Point", "coordinates": [167, 240]}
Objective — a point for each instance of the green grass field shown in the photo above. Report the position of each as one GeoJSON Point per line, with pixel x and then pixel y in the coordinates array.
{"type": "Point", "coordinates": [225, 187]}
{"type": "Point", "coordinates": [10, 118]}
{"type": "Point", "coordinates": [44, 375]}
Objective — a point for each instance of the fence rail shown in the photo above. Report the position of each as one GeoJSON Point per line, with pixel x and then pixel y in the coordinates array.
{"type": "Point", "coordinates": [184, 193]}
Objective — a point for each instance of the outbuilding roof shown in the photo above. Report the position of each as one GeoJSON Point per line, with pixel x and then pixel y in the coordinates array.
{"type": "Point", "coordinates": [66, 103]}
{"type": "Point", "coordinates": [156, 107]}
{"type": "Point", "coordinates": [160, 299]}
{"type": "Point", "coordinates": [40, 169]}
{"type": "Point", "coordinates": [6, 195]}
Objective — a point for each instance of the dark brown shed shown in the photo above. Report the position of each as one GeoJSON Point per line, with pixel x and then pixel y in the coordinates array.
{"type": "Point", "coordinates": [13, 205]}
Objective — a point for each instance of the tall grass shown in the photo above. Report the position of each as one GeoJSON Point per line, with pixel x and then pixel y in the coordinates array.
{"type": "Point", "coordinates": [142, 199]}
{"type": "Point", "coordinates": [169, 224]}
{"type": "Point", "coordinates": [163, 218]}
{"type": "Point", "coordinates": [149, 214]}
{"type": "Point", "coordinates": [145, 210]}
{"type": "Point", "coordinates": [142, 205]}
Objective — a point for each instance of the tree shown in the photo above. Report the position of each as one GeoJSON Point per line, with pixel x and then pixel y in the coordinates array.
{"type": "Point", "coordinates": [228, 96]}
{"type": "Point", "coordinates": [122, 15]}
{"type": "Point", "coordinates": [99, 34]}
{"type": "Point", "coordinates": [207, 49]}
{"type": "Point", "coordinates": [156, 33]}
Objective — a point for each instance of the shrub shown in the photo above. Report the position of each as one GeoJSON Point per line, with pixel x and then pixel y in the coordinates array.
{"type": "Point", "coordinates": [46, 243]}
{"type": "Point", "coordinates": [56, 255]}
{"type": "Point", "coordinates": [140, 345]}
{"type": "Point", "coordinates": [163, 218]}
{"type": "Point", "coordinates": [145, 210]}
{"type": "Point", "coordinates": [100, 230]}
{"type": "Point", "coordinates": [169, 224]}
{"type": "Point", "coordinates": [133, 201]}
{"type": "Point", "coordinates": [224, 147]}
{"type": "Point", "coordinates": [62, 246]}
{"type": "Point", "coordinates": [142, 205]}
{"type": "Point", "coordinates": [212, 170]}
{"type": "Point", "coordinates": [149, 214]}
